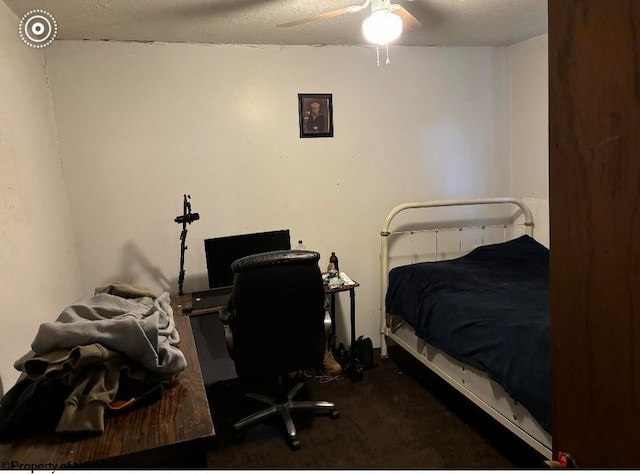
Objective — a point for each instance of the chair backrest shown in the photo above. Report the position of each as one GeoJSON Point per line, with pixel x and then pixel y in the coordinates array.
{"type": "Point", "coordinates": [277, 313]}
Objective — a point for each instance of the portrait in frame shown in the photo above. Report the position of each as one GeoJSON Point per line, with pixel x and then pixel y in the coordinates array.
{"type": "Point", "coordinates": [315, 112]}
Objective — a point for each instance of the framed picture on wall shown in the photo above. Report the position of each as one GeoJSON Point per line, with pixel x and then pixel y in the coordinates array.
{"type": "Point", "coordinates": [315, 112]}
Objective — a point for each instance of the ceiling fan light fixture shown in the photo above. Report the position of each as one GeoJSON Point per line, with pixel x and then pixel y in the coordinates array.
{"type": "Point", "coordinates": [382, 27]}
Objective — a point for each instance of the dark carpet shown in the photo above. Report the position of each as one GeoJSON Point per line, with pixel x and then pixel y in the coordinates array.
{"type": "Point", "coordinates": [400, 416]}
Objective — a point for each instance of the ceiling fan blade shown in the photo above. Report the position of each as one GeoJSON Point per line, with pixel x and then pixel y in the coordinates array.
{"type": "Point", "coordinates": [409, 22]}
{"type": "Point", "coordinates": [322, 16]}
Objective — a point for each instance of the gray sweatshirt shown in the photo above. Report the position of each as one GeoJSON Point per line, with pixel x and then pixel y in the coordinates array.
{"type": "Point", "coordinates": [141, 328]}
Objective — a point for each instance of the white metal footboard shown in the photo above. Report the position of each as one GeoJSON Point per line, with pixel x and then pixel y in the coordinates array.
{"type": "Point", "coordinates": [473, 384]}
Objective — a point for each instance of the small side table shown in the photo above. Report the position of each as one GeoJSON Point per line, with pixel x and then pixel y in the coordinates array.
{"type": "Point", "coordinates": [352, 370]}
{"type": "Point", "coordinates": [352, 297]}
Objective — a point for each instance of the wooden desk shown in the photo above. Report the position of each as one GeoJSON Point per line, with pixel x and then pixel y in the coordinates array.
{"type": "Point", "coordinates": [171, 432]}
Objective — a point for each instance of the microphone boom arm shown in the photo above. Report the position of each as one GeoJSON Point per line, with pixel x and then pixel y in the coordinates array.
{"type": "Point", "coordinates": [187, 217]}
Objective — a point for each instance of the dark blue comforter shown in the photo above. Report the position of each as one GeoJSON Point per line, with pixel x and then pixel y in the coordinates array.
{"type": "Point", "coordinates": [489, 309]}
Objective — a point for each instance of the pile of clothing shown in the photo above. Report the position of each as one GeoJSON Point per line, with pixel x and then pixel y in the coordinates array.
{"type": "Point", "coordinates": [103, 355]}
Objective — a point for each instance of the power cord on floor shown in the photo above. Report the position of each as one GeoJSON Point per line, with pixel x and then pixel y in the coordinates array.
{"type": "Point", "coordinates": [324, 378]}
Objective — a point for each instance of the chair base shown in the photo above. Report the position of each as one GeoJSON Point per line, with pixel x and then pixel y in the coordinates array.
{"type": "Point", "coordinates": [284, 410]}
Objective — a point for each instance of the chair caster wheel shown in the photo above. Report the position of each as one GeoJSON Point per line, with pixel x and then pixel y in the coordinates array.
{"type": "Point", "coordinates": [294, 444]}
{"type": "Point", "coordinates": [334, 414]}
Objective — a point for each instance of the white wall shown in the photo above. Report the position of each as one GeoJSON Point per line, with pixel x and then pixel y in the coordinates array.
{"type": "Point", "coordinates": [141, 124]}
{"type": "Point", "coordinates": [529, 111]}
{"type": "Point", "coordinates": [39, 273]}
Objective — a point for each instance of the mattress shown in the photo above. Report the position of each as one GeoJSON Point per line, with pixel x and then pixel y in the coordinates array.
{"type": "Point", "coordinates": [488, 309]}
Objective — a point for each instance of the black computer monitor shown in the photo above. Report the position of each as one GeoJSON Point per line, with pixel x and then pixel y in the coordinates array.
{"type": "Point", "coordinates": [220, 252]}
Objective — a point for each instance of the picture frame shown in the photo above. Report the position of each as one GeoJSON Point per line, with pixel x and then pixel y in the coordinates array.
{"type": "Point", "coordinates": [315, 114]}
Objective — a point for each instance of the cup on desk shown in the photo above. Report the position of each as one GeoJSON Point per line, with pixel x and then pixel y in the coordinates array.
{"type": "Point", "coordinates": [333, 273]}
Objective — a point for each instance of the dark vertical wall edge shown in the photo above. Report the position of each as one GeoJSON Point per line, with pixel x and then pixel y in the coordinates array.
{"type": "Point", "coordinates": [594, 107]}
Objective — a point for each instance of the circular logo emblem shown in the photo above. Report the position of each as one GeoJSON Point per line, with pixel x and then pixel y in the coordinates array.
{"type": "Point", "coordinates": [38, 28]}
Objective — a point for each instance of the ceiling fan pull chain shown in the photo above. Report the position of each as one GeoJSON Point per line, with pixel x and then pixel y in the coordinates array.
{"type": "Point", "coordinates": [388, 60]}
{"type": "Point", "coordinates": [378, 54]}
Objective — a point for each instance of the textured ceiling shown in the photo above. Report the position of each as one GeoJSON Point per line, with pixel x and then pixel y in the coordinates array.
{"type": "Point", "coordinates": [445, 22]}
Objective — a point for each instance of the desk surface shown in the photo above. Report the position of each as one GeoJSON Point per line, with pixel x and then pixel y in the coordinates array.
{"type": "Point", "coordinates": [344, 287]}
{"type": "Point", "coordinates": [181, 416]}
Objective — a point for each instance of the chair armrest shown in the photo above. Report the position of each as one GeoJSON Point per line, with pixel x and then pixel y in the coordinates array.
{"type": "Point", "coordinates": [226, 317]}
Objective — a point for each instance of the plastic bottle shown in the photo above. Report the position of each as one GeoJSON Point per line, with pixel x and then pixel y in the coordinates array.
{"type": "Point", "coordinates": [300, 245]}
{"type": "Point", "coordinates": [333, 259]}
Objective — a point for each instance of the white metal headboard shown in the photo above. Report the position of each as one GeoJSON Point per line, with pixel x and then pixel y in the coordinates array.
{"type": "Point", "coordinates": [384, 244]}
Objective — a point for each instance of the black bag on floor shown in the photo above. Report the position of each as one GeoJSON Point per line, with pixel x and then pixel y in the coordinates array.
{"type": "Point", "coordinates": [363, 352]}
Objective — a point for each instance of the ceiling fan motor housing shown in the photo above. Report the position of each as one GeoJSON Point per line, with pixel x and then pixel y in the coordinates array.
{"type": "Point", "coordinates": [382, 26]}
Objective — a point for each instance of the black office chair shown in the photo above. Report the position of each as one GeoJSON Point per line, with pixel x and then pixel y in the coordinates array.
{"type": "Point", "coordinates": [275, 325]}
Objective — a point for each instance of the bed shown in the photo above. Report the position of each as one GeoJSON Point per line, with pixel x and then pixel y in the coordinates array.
{"type": "Point", "coordinates": [479, 318]}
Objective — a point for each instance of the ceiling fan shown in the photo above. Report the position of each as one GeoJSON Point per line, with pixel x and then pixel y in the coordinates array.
{"type": "Point", "coordinates": [386, 22]}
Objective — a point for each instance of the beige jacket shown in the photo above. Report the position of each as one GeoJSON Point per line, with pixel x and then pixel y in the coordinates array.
{"type": "Point", "coordinates": [94, 373]}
